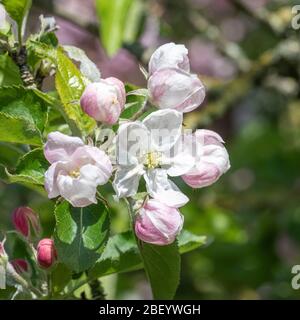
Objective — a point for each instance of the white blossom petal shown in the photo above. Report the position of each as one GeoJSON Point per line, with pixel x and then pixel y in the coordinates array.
{"type": "Point", "coordinates": [126, 180]}
{"type": "Point", "coordinates": [80, 192]}
{"type": "Point", "coordinates": [161, 188]}
{"type": "Point", "coordinates": [60, 147]}
{"type": "Point", "coordinates": [164, 127]}
{"type": "Point", "coordinates": [50, 180]}
{"type": "Point", "coordinates": [98, 158]}
{"type": "Point", "coordinates": [180, 164]}
{"type": "Point", "coordinates": [132, 143]}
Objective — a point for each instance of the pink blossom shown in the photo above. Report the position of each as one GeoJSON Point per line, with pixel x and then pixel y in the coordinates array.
{"type": "Point", "coordinates": [76, 169]}
{"type": "Point", "coordinates": [158, 223]}
{"type": "Point", "coordinates": [169, 55]}
{"type": "Point", "coordinates": [173, 88]}
{"type": "Point", "coordinates": [211, 159]}
{"type": "Point", "coordinates": [104, 100]}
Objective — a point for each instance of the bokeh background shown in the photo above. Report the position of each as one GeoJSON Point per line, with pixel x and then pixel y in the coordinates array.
{"type": "Point", "coordinates": [248, 56]}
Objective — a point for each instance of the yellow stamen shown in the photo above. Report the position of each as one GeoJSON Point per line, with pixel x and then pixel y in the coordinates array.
{"type": "Point", "coordinates": [152, 160]}
{"type": "Point", "coordinates": [74, 173]}
{"type": "Point", "coordinates": [115, 100]}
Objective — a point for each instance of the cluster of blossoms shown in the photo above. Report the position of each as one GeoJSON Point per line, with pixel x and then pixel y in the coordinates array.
{"type": "Point", "coordinates": [154, 148]}
{"type": "Point", "coordinates": [27, 224]}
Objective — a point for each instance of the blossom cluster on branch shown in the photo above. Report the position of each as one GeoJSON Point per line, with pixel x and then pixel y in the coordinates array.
{"type": "Point", "coordinates": [153, 146]}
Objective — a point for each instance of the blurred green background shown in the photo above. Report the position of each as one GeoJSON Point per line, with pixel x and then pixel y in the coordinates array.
{"type": "Point", "coordinates": [248, 55]}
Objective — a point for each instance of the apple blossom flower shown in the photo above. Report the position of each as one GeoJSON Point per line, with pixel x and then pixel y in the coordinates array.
{"type": "Point", "coordinates": [46, 253]}
{"type": "Point", "coordinates": [211, 160]}
{"type": "Point", "coordinates": [158, 223]}
{"type": "Point", "coordinates": [26, 221]}
{"type": "Point", "coordinates": [169, 55]}
{"type": "Point", "coordinates": [172, 88]}
{"type": "Point", "coordinates": [148, 148]}
{"type": "Point", "coordinates": [104, 100]}
{"type": "Point", "coordinates": [76, 169]}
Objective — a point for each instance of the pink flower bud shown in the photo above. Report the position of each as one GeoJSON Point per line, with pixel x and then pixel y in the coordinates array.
{"type": "Point", "coordinates": [172, 88]}
{"type": "Point", "coordinates": [104, 100]}
{"type": "Point", "coordinates": [169, 55]}
{"type": "Point", "coordinates": [20, 265]}
{"type": "Point", "coordinates": [46, 253]}
{"type": "Point", "coordinates": [211, 159]}
{"type": "Point", "coordinates": [158, 223]}
{"type": "Point", "coordinates": [25, 221]}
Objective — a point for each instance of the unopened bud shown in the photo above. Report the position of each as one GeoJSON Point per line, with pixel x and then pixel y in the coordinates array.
{"type": "Point", "coordinates": [20, 265]}
{"type": "Point", "coordinates": [46, 253]}
{"type": "Point", "coordinates": [158, 223]}
{"type": "Point", "coordinates": [104, 100]}
{"type": "Point", "coordinates": [26, 221]}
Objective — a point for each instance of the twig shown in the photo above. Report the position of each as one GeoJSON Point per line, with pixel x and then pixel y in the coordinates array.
{"type": "Point", "coordinates": [20, 58]}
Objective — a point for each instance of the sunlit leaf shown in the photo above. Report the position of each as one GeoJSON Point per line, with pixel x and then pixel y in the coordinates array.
{"type": "Point", "coordinates": [22, 115]}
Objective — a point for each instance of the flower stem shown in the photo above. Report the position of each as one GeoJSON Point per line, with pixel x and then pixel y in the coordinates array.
{"type": "Point", "coordinates": [20, 280]}
{"type": "Point", "coordinates": [49, 285]}
{"type": "Point", "coordinates": [130, 204]}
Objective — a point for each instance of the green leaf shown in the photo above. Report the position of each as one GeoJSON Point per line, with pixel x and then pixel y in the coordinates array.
{"type": "Point", "coordinates": [22, 115]}
{"type": "Point", "coordinates": [136, 99]}
{"type": "Point", "coordinates": [121, 253]}
{"type": "Point", "coordinates": [30, 168]}
{"type": "Point", "coordinates": [9, 153]}
{"type": "Point", "coordinates": [15, 129]}
{"type": "Point", "coordinates": [113, 16]}
{"type": "Point", "coordinates": [60, 277]}
{"type": "Point", "coordinates": [80, 234]}
{"type": "Point", "coordinates": [9, 72]}
{"type": "Point", "coordinates": [133, 20]}
{"type": "Point", "coordinates": [188, 241]}
{"type": "Point", "coordinates": [17, 9]}
{"type": "Point", "coordinates": [29, 172]}
{"type": "Point", "coordinates": [87, 67]}
{"type": "Point", "coordinates": [162, 265]}
{"type": "Point", "coordinates": [70, 84]}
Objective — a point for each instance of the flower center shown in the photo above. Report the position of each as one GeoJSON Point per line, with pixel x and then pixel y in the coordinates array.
{"type": "Point", "coordinates": [74, 173]}
{"type": "Point", "coordinates": [114, 100]}
{"type": "Point", "coordinates": [152, 160]}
